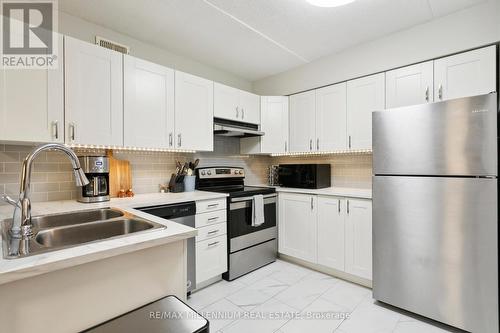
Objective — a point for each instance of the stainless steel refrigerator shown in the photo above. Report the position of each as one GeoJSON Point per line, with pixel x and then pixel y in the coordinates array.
{"type": "Point", "coordinates": [435, 212]}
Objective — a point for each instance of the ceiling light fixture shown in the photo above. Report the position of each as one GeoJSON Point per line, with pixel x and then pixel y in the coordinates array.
{"type": "Point", "coordinates": [329, 3]}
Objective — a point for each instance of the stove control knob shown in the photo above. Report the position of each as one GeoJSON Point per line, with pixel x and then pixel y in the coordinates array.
{"type": "Point", "coordinates": [203, 173]}
{"type": "Point", "coordinates": [209, 172]}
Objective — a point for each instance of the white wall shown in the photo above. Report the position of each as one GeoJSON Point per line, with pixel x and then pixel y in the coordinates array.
{"type": "Point", "coordinates": [84, 30]}
{"type": "Point", "coordinates": [469, 28]}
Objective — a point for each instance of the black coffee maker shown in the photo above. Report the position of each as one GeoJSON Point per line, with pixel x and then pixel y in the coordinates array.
{"type": "Point", "coordinates": [96, 169]}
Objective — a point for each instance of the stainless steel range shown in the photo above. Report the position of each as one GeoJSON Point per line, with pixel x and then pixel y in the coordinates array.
{"type": "Point", "coordinates": [251, 219]}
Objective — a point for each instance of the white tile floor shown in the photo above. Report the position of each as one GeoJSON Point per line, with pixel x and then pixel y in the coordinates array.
{"type": "Point", "coordinates": [287, 298]}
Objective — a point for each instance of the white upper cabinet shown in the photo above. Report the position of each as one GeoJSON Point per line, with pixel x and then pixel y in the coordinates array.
{"type": "Point", "coordinates": [358, 238]}
{"type": "Point", "coordinates": [94, 94]}
{"type": "Point", "coordinates": [331, 118]}
{"type": "Point", "coordinates": [148, 104]}
{"type": "Point", "coordinates": [364, 96]}
{"type": "Point", "coordinates": [331, 228]}
{"type": "Point", "coordinates": [250, 107]}
{"type": "Point", "coordinates": [31, 103]}
{"type": "Point", "coordinates": [465, 74]}
{"type": "Point", "coordinates": [237, 105]}
{"type": "Point", "coordinates": [302, 121]}
{"type": "Point", "coordinates": [297, 226]}
{"type": "Point", "coordinates": [410, 85]}
{"type": "Point", "coordinates": [274, 117]}
{"type": "Point", "coordinates": [194, 112]}
{"type": "Point", "coordinates": [274, 123]}
{"type": "Point", "coordinates": [226, 102]}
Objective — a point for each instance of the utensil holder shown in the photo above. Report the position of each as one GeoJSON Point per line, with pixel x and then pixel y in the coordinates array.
{"type": "Point", "coordinates": [176, 184]}
{"type": "Point", "coordinates": [189, 183]}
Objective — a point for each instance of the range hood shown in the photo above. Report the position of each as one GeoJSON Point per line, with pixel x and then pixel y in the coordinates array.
{"type": "Point", "coordinates": [235, 129]}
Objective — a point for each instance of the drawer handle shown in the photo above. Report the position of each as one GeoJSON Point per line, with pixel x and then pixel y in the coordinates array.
{"type": "Point", "coordinates": [213, 232]}
{"type": "Point", "coordinates": [213, 244]}
{"type": "Point", "coordinates": [213, 218]}
{"type": "Point", "coordinates": [213, 205]}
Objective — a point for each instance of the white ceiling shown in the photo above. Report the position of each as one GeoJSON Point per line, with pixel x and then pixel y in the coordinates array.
{"type": "Point", "coordinates": [257, 38]}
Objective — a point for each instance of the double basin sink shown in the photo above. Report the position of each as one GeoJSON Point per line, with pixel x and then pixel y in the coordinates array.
{"type": "Point", "coordinates": [58, 231]}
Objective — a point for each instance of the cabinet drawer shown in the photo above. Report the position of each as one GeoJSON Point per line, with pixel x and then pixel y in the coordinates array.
{"type": "Point", "coordinates": [211, 231]}
{"type": "Point", "coordinates": [211, 258]}
{"type": "Point", "coordinates": [210, 205]}
{"type": "Point", "coordinates": [202, 220]}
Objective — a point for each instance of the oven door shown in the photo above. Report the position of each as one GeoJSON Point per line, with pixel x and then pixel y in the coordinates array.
{"type": "Point", "coordinates": [240, 230]}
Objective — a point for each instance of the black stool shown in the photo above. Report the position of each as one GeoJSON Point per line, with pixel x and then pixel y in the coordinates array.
{"type": "Point", "coordinates": [166, 315]}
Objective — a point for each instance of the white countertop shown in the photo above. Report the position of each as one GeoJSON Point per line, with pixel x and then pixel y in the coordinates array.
{"type": "Point", "coordinates": [351, 192]}
{"type": "Point", "coordinates": [16, 269]}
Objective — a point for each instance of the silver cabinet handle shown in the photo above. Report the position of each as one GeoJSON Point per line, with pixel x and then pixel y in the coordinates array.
{"type": "Point", "coordinates": [347, 206]}
{"type": "Point", "coordinates": [349, 142]}
{"type": "Point", "coordinates": [237, 112]}
{"type": "Point", "coordinates": [339, 205]}
{"type": "Point", "coordinates": [213, 205]}
{"type": "Point", "coordinates": [179, 140]}
{"type": "Point", "coordinates": [55, 129]}
{"type": "Point", "coordinates": [427, 94]}
{"type": "Point", "coordinates": [213, 218]}
{"type": "Point", "coordinates": [312, 203]}
{"type": "Point", "coordinates": [72, 131]}
{"type": "Point", "coordinates": [286, 148]}
{"type": "Point", "coordinates": [213, 232]}
{"type": "Point", "coordinates": [242, 113]}
{"type": "Point", "coordinates": [317, 144]}
{"type": "Point", "coordinates": [213, 244]}
{"type": "Point", "coordinates": [440, 91]}
{"type": "Point", "coordinates": [170, 139]}
{"type": "Point", "coordinates": [310, 144]}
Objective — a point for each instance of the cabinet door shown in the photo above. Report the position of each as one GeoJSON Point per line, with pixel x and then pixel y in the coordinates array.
{"type": "Point", "coordinates": [148, 104]}
{"type": "Point", "coordinates": [274, 123]}
{"type": "Point", "coordinates": [298, 226]}
{"type": "Point", "coordinates": [364, 96]}
{"type": "Point", "coordinates": [194, 112]}
{"type": "Point", "coordinates": [465, 74]}
{"type": "Point", "coordinates": [226, 102]}
{"type": "Point", "coordinates": [331, 228]}
{"type": "Point", "coordinates": [31, 103]}
{"type": "Point", "coordinates": [331, 122]}
{"type": "Point", "coordinates": [358, 238]}
{"type": "Point", "coordinates": [250, 107]}
{"type": "Point", "coordinates": [211, 258]}
{"type": "Point", "coordinates": [410, 85]}
{"type": "Point", "coordinates": [94, 94]}
{"type": "Point", "coordinates": [302, 121]}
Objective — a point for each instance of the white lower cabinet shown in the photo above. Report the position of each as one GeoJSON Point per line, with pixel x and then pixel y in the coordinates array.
{"type": "Point", "coordinates": [334, 232]}
{"type": "Point", "coordinates": [211, 242]}
{"type": "Point", "coordinates": [358, 238]}
{"type": "Point", "coordinates": [211, 258]}
{"type": "Point", "coordinates": [297, 225]}
{"type": "Point", "coordinates": [331, 232]}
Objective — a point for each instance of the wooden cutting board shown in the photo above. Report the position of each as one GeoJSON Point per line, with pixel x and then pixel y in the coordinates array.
{"type": "Point", "coordinates": [120, 175]}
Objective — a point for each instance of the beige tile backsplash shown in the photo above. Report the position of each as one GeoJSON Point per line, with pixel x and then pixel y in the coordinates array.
{"type": "Point", "coordinates": [52, 178]}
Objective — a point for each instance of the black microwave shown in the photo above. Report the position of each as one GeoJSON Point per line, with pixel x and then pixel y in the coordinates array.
{"type": "Point", "coordinates": [312, 176]}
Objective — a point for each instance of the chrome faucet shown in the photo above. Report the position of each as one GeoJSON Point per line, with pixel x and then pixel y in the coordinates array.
{"type": "Point", "coordinates": [21, 226]}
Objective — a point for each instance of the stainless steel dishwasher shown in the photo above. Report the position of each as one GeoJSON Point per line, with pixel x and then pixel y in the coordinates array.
{"type": "Point", "coordinates": [182, 213]}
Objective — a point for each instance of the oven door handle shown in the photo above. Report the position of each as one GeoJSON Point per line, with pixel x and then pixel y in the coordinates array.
{"type": "Point", "coordinates": [266, 196]}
